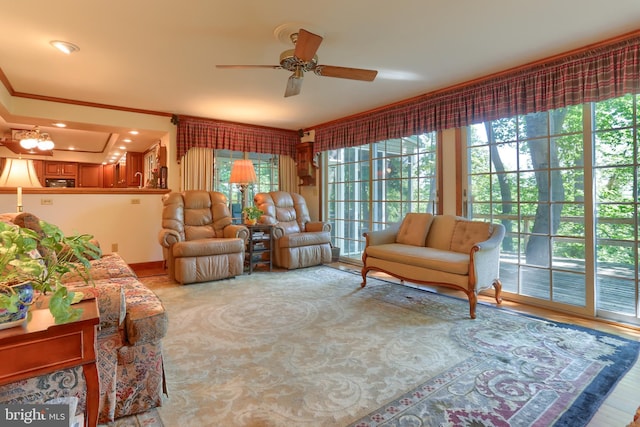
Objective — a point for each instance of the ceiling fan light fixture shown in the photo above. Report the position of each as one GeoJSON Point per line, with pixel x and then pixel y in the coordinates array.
{"type": "Point", "coordinates": [64, 47]}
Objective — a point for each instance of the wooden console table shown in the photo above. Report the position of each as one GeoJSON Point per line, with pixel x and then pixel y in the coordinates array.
{"type": "Point", "coordinates": [41, 347]}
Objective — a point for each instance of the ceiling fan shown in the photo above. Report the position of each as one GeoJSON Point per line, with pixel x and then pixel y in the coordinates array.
{"type": "Point", "coordinates": [303, 58]}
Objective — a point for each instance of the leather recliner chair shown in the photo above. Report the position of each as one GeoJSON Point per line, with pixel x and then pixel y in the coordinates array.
{"type": "Point", "coordinates": [199, 241]}
{"type": "Point", "coordinates": [298, 241]}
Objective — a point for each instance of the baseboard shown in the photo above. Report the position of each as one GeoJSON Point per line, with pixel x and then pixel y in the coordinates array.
{"type": "Point", "coordinates": [152, 265]}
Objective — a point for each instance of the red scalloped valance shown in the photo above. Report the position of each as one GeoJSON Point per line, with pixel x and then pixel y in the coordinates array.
{"type": "Point", "coordinates": [206, 133]}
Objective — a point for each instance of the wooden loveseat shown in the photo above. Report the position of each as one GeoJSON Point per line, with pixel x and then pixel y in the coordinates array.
{"type": "Point", "coordinates": [443, 250]}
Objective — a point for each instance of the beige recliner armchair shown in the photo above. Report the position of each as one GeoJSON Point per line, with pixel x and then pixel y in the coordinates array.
{"type": "Point", "coordinates": [298, 241]}
{"type": "Point", "coordinates": [199, 241]}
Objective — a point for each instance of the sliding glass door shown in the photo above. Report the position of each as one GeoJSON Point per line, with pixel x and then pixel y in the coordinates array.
{"type": "Point", "coordinates": [564, 184]}
{"type": "Point", "coordinates": [373, 185]}
{"type": "Point", "coordinates": [615, 140]}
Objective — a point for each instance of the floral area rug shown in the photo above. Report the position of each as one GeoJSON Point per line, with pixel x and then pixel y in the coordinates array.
{"type": "Point", "coordinates": [309, 347]}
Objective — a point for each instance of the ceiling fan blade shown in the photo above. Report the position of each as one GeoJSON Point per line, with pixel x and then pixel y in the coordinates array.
{"type": "Point", "coordinates": [346, 72]}
{"type": "Point", "coordinates": [307, 45]}
{"type": "Point", "coordinates": [294, 85]}
{"type": "Point", "coordinates": [275, 67]}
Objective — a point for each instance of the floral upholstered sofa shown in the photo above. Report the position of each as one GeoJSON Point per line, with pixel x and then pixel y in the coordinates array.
{"type": "Point", "coordinates": [133, 322]}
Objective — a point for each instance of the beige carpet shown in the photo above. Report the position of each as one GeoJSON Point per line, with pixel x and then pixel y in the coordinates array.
{"type": "Point", "coordinates": [290, 348]}
{"type": "Point", "coordinates": [309, 347]}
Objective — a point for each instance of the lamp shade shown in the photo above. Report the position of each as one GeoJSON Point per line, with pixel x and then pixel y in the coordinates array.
{"type": "Point", "coordinates": [242, 172]}
{"type": "Point", "coordinates": [19, 173]}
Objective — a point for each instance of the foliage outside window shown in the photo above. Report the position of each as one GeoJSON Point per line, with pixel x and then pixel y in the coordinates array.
{"type": "Point", "coordinates": [559, 180]}
{"type": "Point", "coordinates": [265, 165]}
{"type": "Point", "coordinates": [373, 185]}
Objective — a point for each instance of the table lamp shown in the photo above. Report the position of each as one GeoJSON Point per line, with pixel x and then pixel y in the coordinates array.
{"type": "Point", "coordinates": [19, 173]}
{"type": "Point", "coordinates": [243, 174]}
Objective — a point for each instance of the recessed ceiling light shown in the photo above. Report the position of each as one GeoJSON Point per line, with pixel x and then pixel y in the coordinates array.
{"type": "Point", "coordinates": [133, 132]}
{"type": "Point", "coordinates": [60, 125]}
{"type": "Point", "coordinates": [64, 47]}
{"type": "Point", "coordinates": [72, 148]}
{"type": "Point", "coordinates": [126, 140]}
{"type": "Point", "coordinates": [122, 147]}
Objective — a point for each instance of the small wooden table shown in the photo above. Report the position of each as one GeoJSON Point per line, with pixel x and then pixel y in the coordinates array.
{"type": "Point", "coordinates": [41, 347]}
{"type": "Point", "coordinates": [259, 246]}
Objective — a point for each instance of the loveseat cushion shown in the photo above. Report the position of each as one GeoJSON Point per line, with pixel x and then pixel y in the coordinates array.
{"type": "Point", "coordinates": [414, 229]}
{"type": "Point", "coordinates": [435, 259]}
{"type": "Point", "coordinates": [146, 320]}
{"type": "Point", "coordinates": [467, 233]}
{"type": "Point", "coordinates": [297, 240]}
{"type": "Point", "coordinates": [111, 301]}
{"type": "Point", "coordinates": [441, 231]}
{"type": "Point", "coordinates": [108, 266]}
{"type": "Point", "coordinates": [32, 222]}
{"type": "Point", "coordinates": [204, 247]}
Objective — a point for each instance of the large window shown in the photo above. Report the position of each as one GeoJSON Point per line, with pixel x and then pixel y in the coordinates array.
{"type": "Point", "coordinates": [376, 184]}
{"type": "Point", "coordinates": [265, 165]}
{"type": "Point", "coordinates": [615, 142]}
{"type": "Point", "coordinates": [564, 184]}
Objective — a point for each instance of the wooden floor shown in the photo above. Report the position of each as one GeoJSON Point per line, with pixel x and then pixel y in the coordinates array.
{"type": "Point", "coordinates": [623, 401]}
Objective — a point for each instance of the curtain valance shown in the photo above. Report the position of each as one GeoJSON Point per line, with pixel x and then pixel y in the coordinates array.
{"type": "Point", "coordinates": [205, 133]}
{"type": "Point", "coordinates": [596, 74]}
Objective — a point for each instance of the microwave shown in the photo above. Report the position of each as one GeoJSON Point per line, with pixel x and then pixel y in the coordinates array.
{"type": "Point", "coordinates": [59, 183]}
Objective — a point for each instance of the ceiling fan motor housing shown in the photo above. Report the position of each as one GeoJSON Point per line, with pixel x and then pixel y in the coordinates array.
{"type": "Point", "coordinates": [290, 62]}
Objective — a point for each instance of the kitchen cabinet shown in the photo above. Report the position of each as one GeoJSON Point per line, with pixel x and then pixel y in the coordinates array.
{"type": "Point", "coordinates": [134, 169]}
{"type": "Point", "coordinates": [90, 175]}
{"type": "Point", "coordinates": [109, 176]}
{"type": "Point", "coordinates": [66, 170]}
{"type": "Point", "coordinates": [304, 163]}
{"type": "Point", "coordinates": [38, 165]}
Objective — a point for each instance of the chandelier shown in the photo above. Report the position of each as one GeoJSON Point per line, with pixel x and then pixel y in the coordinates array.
{"type": "Point", "coordinates": [30, 139]}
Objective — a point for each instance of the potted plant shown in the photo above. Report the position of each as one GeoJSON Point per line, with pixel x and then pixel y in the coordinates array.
{"type": "Point", "coordinates": [40, 259]}
{"type": "Point", "coordinates": [251, 214]}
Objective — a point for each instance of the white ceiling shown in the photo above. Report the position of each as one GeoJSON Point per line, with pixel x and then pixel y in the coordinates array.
{"type": "Point", "coordinates": [161, 55]}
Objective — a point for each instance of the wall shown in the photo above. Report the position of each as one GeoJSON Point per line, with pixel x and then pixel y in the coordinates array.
{"type": "Point", "coordinates": [110, 218]}
{"type": "Point", "coordinates": [448, 195]}
{"type": "Point", "coordinates": [311, 196]}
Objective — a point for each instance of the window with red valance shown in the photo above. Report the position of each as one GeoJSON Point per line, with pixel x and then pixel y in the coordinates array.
{"type": "Point", "coordinates": [592, 74]}
{"type": "Point", "coordinates": [221, 135]}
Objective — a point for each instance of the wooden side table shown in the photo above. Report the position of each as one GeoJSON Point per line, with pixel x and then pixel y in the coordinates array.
{"type": "Point", "coordinates": [259, 246]}
{"type": "Point", "coordinates": [41, 347]}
